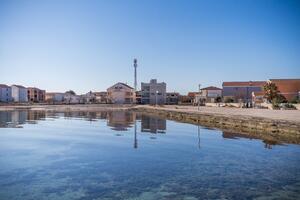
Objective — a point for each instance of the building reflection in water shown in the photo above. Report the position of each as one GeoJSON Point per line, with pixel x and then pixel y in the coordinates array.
{"type": "Point", "coordinates": [150, 125]}
{"type": "Point", "coordinates": [120, 120]}
{"type": "Point", "coordinates": [5, 118]}
{"type": "Point", "coordinates": [14, 119]}
{"type": "Point", "coordinates": [116, 120]}
{"type": "Point", "coordinates": [153, 125]}
{"type": "Point", "coordinates": [89, 116]}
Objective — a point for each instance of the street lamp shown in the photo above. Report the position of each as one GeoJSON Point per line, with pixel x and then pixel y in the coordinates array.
{"type": "Point", "coordinates": [199, 96]}
{"type": "Point", "coordinates": [156, 92]}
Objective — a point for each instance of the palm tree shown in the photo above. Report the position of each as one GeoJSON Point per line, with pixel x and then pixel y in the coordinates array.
{"type": "Point", "coordinates": [273, 94]}
{"type": "Point", "coordinates": [271, 91]}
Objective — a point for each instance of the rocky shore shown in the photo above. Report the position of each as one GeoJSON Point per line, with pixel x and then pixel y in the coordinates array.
{"type": "Point", "coordinates": [258, 123]}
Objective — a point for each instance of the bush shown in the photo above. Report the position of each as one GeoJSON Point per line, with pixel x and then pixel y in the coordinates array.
{"type": "Point", "coordinates": [275, 106]}
{"type": "Point", "coordinates": [228, 100]}
{"type": "Point", "coordinates": [218, 99]}
{"type": "Point", "coordinates": [295, 100]}
{"type": "Point", "coordinates": [288, 106]}
{"type": "Point", "coordinates": [284, 106]}
{"type": "Point", "coordinates": [279, 99]}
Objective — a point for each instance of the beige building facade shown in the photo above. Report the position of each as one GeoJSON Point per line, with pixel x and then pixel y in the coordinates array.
{"type": "Point", "coordinates": [121, 93]}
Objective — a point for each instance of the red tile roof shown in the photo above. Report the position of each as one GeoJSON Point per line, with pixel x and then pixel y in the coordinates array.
{"type": "Point", "coordinates": [192, 94]}
{"type": "Point", "coordinates": [296, 79]}
{"type": "Point", "coordinates": [244, 83]}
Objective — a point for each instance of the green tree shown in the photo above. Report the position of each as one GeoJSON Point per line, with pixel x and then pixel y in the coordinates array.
{"type": "Point", "coordinates": [273, 95]}
{"type": "Point", "coordinates": [271, 91]}
{"type": "Point", "coordinates": [70, 92]}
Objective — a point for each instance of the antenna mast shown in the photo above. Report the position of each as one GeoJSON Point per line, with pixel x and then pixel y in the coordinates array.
{"type": "Point", "coordinates": [135, 79]}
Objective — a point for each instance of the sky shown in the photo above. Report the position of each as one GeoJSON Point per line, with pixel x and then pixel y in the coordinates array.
{"type": "Point", "coordinates": [88, 45]}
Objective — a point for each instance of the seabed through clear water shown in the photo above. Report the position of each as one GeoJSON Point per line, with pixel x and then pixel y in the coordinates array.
{"type": "Point", "coordinates": [127, 155]}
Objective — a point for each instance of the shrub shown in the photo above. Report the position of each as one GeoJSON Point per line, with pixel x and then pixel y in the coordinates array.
{"type": "Point", "coordinates": [285, 106]}
{"type": "Point", "coordinates": [271, 91]}
{"type": "Point", "coordinates": [288, 106]}
{"type": "Point", "coordinates": [275, 106]}
{"type": "Point", "coordinates": [279, 99]}
{"type": "Point", "coordinates": [295, 100]}
{"type": "Point", "coordinates": [228, 100]}
{"type": "Point", "coordinates": [218, 99]}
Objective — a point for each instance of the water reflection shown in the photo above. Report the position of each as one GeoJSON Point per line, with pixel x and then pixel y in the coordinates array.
{"type": "Point", "coordinates": [153, 125]}
{"type": "Point", "coordinates": [268, 143]}
{"type": "Point", "coordinates": [14, 119]}
{"type": "Point", "coordinates": [120, 121]}
{"type": "Point", "coordinates": [75, 155]}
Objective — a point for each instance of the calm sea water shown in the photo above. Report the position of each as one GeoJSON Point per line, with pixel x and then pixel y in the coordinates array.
{"type": "Point", "coordinates": [121, 155]}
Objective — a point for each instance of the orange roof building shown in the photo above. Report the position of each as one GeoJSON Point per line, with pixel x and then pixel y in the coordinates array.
{"type": "Point", "coordinates": [289, 88]}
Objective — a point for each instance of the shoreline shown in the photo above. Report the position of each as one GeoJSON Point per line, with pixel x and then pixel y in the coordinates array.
{"type": "Point", "coordinates": [66, 107]}
{"type": "Point", "coordinates": [278, 124]}
{"type": "Point", "coordinates": [254, 126]}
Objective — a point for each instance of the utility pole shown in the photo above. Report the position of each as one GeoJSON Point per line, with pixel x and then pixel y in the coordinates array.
{"type": "Point", "coordinates": [199, 96]}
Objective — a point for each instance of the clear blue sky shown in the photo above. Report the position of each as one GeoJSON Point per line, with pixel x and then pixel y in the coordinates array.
{"type": "Point", "coordinates": [89, 45]}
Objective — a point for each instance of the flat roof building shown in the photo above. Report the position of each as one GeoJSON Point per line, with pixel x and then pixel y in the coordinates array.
{"type": "Point", "coordinates": [35, 94]}
{"type": "Point", "coordinates": [153, 92]}
{"type": "Point", "coordinates": [241, 91]}
{"type": "Point", "coordinates": [19, 93]}
{"type": "Point", "coordinates": [5, 93]}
